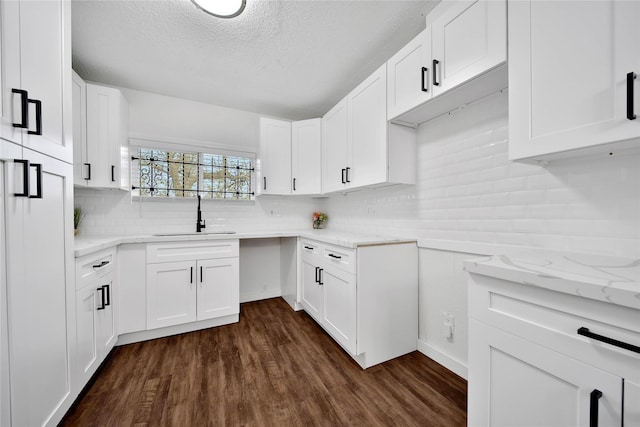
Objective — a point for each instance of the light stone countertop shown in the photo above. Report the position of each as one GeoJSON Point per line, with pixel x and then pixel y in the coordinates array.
{"type": "Point", "coordinates": [610, 279]}
{"type": "Point", "coordinates": [85, 245]}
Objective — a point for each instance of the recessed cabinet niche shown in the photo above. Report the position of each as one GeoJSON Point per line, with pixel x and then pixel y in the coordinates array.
{"type": "Point", "coordinates": [100, 130]}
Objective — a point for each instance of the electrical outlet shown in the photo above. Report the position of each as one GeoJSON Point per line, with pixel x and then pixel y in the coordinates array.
{"type": "Point", "coordinates": [275, 212]}
{"type": "Point", "coordinates": [448, 325]}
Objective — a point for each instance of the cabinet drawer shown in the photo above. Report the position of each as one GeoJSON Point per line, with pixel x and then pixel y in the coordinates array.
{"type": "Point", "coordinates": [311, 250]}
{"type": "Point", "coordinates": [94, 266]}
{"type": "Point", "coordinates": [189, 251]}
{"type": "Point", "coordinates": [552, 319]}
{"type": "Point", "coordinates": [339, 257]}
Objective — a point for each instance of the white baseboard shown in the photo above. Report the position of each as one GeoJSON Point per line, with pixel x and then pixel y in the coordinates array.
{"type": "Point", "coordinates": [259, 295]}
{"type": "Point", "coordinates": [445, 360]}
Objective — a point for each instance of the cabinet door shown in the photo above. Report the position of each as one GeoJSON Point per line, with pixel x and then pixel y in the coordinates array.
{"type": "Point", "coordinates": [275, 156]}
{"type": "Point", "coordinates": [42, 299]}
{"type": "Point", "coordinates": [218, 288]}
{"type": "Point", "coordinates": [45, 68]}
{"type": "Point", "coordinates": [514, 382]}
{"type": "Point", "coordinates": [306, 152]}
{"type": "Point", "coordinates": [335, 148]}
{"type": "Point", "coordinates": [631, 404]}
{"type": "Point", "coordinates": [106, 325]}
{"type": "Point", "coordinates": [312, 297]}
{"type": "Point", "coordinates": [409, 75]}
{"type": "Point", "coordinates": [87, 303]}
{"type": "Point", "coordinates": [103, 136]}
{"type": "Point", "coordinates": [339, 317]}
{"type": "Point", "coordinates": [171, 294]}
{"type": "Point", "coordinates": [568, 76]}
{"type": "Point", "coordinates": [368, 130]}
{"type": "Point", "coordinates": [79, 107]}
{"type": "Point", "coordinates": [468, 39]}
{"type": "Point", "coordinates": [10, 71]}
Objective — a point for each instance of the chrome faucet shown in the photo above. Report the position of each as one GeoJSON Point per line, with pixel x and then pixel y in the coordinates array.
{"type": "Point", "coordinates": [200, 224]}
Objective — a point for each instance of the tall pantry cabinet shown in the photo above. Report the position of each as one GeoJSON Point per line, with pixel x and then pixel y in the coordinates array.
{"type": "Point", "coordinates": [37, 316]}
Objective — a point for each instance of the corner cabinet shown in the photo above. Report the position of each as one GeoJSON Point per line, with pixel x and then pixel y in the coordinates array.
{"type": "Point", "coordinates": [529, 361]}
{"type": "Point", "coordinates": [306, 155]}
{"type": "Point", "coordinates": [346, 291]}
{"type": "Point", "coordinates": [101, 127]}
{"type": "Point", "coordinates": [191, 281]}
{"type": "Point", "coordinates": [274, 174]}
{"type": "Point", "coordinates": [360, 148]}
{"type": "Point", "coordinates": [573, 82]}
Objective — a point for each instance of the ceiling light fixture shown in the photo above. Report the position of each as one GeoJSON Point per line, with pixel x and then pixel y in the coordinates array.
{"type": "Point", "coordinates": [221, 8]}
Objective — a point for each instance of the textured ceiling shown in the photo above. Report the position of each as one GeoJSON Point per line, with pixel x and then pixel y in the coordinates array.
{"type": "Point", "coordinates": [293, 59]}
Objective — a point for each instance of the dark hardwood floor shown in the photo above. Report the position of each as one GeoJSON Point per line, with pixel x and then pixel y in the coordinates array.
{"type": "Point", "coordinates": [275, 367]}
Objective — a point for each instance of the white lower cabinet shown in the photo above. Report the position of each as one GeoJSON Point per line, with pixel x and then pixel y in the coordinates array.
{"type": "Point", "coordinates": [364, 297]}
{"type": "Point", "coordinates": [183, 288]}
{"type": "Point", "coordinates": [96, 330]}
{"type": "Point", "coordinates": [531, 364]}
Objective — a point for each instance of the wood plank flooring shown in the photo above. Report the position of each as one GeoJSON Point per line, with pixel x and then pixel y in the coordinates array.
{"type": "Point", "coordinates": [275, 367]}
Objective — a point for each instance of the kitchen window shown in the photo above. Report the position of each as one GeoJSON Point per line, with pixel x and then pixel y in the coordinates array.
{"type": "Point", "coordinates": [158, 173]}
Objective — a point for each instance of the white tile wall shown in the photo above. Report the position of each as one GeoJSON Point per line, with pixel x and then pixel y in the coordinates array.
{"type": "Point", "coordinates": [467, 190]}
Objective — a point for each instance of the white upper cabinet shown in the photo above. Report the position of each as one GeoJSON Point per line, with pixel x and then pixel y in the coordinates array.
{"type": "Point", "coordinates": [105, 153]}
{"type": "Point", "coordinates": [409, 75]}
{"type": "Point", "coordinates": [568, 84]}
{"type": "Point", "coordinates": [79, 103]}
{"type": "Point", "coordinates": [306, 156]}
{"type": "Point", "coordinates": [459, 58]}
{"type": "Point", "coordinates": [335, 148]}
{"type": "Point", "coordinates": [275, 157]}
{"type": "Point", "coordinates": [359, 147]}
{"type": "Point", "coordinates": [36, 76]}
{"type": "Point", "coordinates": [367, 112]}
{"type": "Point", "coordinates": [468, 39]}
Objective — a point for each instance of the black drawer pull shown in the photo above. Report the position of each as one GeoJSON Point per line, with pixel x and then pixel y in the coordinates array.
{"type": "Point", "coordinates": [24, 108]}
{"type": "Point", "coordinates": [587, 333]}
{"type": "Point", "coordinates": [335, 256]}
{"type": "Point", "coordinates": [308, 247]}
{"type": "Point", "coordinates": [102, 264]}
{"type": "Point", "coordinates": [26, 171]}
{"type": "Point", "coordinates": [38, 105]}
{"type": "Point", "coordinates": [425, 73]}
{"type": "Point", "coordinates": [38, 168]}
{"type": "Point", "coordinates": [630, 103]}
{"type": "Point", "coordinates": [593, 407]}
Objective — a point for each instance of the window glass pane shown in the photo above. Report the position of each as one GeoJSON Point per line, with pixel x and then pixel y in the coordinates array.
{"type": "Point", "coordinates": [161, 173]}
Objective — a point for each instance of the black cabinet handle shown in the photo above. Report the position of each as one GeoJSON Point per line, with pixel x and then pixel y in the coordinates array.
{"type": "Point", "coordinates": [200, 274]}
{"type": "Point", "coordinates": [587, 333]}
{"type": "Point", "coordinates": [294, 184]}
{"type": "Point", "coordinates": [348, 178]}
{"type": "Point", "coordinates": [435, 75]}
{"type": "Point", "coordinates": [113, 173]}
{"type": "Point", "coordinates": [308, 247]}
{"type": "Point", "coordinates": [25, 177]}
{"type": "Point", "coordinates": [335, 256]}
{"type": "Point", "coordinates": [320, 282]}
{"type": "Point", "coordinates": [38, 130]}
{"type": "Point", "coordinates": [593, 407]}
{"type": "Point", "coordinates": [264, 179]}
{"type": "Point", "coordinates": [102, 264]}
{"type": "Point", "coordinates": [317, 275]}
{"type": "Point", "coordinates": [630, 104]}
{"type": "Point", "coordinates": [344, 181]}
{"type": "Point", "coordinates": [88, 165]}
{"type": "Point", "coordinates": [24, 108]}
{"type": "Point", "coordinates": [108, 292]}
{"type": "Point", "coordinates": [102, 305]}
{"type": "Point", "coordinates": [191, 277]}
{"type": "Point", "coordinates": [38, 167]}
{"type": "Point", "coordinates": [425, 73]}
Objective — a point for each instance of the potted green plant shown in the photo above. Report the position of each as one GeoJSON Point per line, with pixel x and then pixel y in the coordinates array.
{"type": "Point", "coordinates": [77, 219]}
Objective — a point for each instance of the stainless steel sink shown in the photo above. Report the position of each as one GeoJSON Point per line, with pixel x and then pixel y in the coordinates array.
{"type": "Point", "coordinates": [193, 233]}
